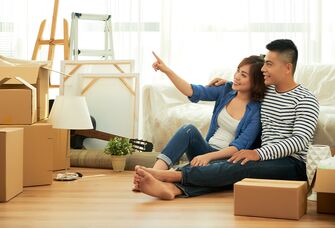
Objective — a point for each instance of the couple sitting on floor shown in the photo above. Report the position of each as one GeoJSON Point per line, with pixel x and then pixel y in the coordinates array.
{"type": "Point", "coordinates": [263, 101]}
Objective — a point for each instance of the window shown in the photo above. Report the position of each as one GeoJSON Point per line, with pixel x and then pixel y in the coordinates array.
{"type": "Point", "coordinates": [194, 37]}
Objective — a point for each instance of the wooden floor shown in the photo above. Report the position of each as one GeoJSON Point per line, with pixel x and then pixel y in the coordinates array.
{"type": "Point", "coordinates": [102, 198]}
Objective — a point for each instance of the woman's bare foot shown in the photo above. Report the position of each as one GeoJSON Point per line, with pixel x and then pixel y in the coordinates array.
{"type": "Point", "coordinates": [153, 187]}
{"type": "Point", "coordinates": [160, 164]}
{"type": "Point", "coordinates": [162, 175]}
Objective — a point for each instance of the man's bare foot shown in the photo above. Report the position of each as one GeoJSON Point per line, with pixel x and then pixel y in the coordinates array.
{"type": "Point", "coordinates": [136, 189]}
{"type": "Point", "coordinates": [163, 175]}
{"type": "Point", "coordinates": [136, 182]}
{"type": "Point", "coordinates": [138, 166]}
{"type": "Point", "coordinates": [153, 187]}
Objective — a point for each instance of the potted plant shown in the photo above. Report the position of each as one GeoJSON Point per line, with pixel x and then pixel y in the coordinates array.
{"type": "Point", "coordinates": [119, 149]}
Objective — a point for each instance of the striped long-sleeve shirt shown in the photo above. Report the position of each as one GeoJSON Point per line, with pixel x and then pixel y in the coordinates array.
{"type": "Point", "coordinates": [288, 123]}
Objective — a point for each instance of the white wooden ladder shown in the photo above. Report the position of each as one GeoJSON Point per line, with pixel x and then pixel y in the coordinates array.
{"type": "Point", "coordinates": [107, 52]}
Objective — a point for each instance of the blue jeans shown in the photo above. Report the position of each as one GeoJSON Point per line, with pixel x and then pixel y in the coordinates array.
{"type": "Point", "coordinates": [220, 174]}
{"type": "Point", "coordinates": [187, 139]}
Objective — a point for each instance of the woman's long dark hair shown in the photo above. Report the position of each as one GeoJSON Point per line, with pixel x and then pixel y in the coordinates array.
{"type": "Point", "coordinates": [256, 76]}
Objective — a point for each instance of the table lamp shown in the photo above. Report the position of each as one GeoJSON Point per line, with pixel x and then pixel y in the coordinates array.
{"type": "Point", "coordinates": [69, 112]}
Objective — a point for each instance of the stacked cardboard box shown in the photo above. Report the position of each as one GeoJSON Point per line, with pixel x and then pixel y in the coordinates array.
{"type": "Point", "coordinates": [31, 73]}
{"type": "Point", "coordinates": [270, 198]}
{"type": "Point", "coordinates": [37, 153]}
{"type": "Point", "coordinates": [24, 103]}
{"type": "Point", "coordinates": [18, 103]}
{"type": "Point", "coordinates": [11, 160]}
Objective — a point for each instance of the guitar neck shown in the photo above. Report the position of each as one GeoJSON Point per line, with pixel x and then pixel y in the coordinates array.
{"type": "Point", "coordinates": [96, 134]}
{"type": "Point", "coordinates": [137, 144]}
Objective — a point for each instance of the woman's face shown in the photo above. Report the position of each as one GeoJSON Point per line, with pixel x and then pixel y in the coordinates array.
{"type": "Point", "coordinates": [242, 79]}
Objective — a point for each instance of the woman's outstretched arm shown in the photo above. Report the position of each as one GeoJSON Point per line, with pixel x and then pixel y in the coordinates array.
{"type": "Point", "coordinates": [182, 85]}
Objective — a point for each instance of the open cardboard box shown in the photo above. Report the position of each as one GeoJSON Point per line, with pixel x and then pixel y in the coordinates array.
{"type": "Point", "coordinates": [33, 72]}
{"type": "Point", "coordinates": [325, 188]}
{"type": "Point", "coordinates": [17, 102]}
{"type": "Point", "coordinates": [270, 198]}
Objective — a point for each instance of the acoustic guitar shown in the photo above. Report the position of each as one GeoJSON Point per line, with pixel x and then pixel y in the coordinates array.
{"type": "Point", "coordinates": [78, 136]}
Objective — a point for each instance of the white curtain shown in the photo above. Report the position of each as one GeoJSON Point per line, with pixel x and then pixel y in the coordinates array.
{"type": "Point", "coordinates": [195, 37]}
{"type": "Point", "coordinates": [207, 35]}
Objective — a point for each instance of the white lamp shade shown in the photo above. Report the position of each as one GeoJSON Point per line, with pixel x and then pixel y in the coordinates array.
{"type": "Point", "coordinates": [70, 112]}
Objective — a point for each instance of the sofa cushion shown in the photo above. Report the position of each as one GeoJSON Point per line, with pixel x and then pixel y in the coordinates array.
{"type": "Point", "coordinates": [320, 80]}
{"type": "Point", "coordinates": [165, 110]}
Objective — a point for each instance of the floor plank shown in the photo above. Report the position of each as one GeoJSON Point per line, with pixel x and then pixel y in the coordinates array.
{"type": "Point", "coordinates": [102, 198]}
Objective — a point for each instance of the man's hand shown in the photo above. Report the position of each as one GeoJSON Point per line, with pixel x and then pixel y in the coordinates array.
{"type": "Point", "coordinates": [200, 160]}
{"type": "Point", "coordinates": [217, 82]}
{"type": "Point", "coordinates": [245, 156]}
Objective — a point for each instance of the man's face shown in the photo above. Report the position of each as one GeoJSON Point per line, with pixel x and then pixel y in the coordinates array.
{"type": "Point", "coordinates": [274, 69]}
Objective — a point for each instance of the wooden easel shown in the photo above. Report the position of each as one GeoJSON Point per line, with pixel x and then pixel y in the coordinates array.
{"type": "Point", "coordinates": [52, 41]}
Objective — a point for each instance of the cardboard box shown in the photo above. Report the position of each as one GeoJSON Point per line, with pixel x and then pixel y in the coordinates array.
{"type": "Point", "coordinates": [270, 198]}
{"type": "Point", "coordinates": [17, 102]}
{"type": "Point", "coordinates": [37, 153]}
{"type": "Point", "coordinates": [325, 188]}
{"type": "Point", "coordinates": [11, 163]}
{"type": "Point", "coordinates": [35, 74]}
{"type": "Point", "coordinates": [60, 161]}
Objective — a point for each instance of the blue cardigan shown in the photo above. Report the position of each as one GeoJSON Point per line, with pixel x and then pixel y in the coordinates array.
{"type": "Point", "coordinates": [249, 126]}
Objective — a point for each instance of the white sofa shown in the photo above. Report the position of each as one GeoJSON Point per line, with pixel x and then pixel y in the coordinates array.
{"type": "Point", "coordinates": [165, 109]}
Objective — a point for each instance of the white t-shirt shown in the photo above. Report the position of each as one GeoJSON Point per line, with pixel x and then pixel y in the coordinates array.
{"type": "Point", "coordinates": [225, 133]}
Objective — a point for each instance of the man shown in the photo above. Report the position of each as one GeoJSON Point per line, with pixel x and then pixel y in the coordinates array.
{"type": "Point", "coordinates": [289, 114]}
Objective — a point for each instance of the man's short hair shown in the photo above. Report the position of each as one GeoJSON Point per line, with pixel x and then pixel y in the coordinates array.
{"type": "Point", "coordinates": [287, 49]}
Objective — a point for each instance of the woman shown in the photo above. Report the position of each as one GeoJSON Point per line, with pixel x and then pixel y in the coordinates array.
{"type": "Point", "coordinates": [235, 123]}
